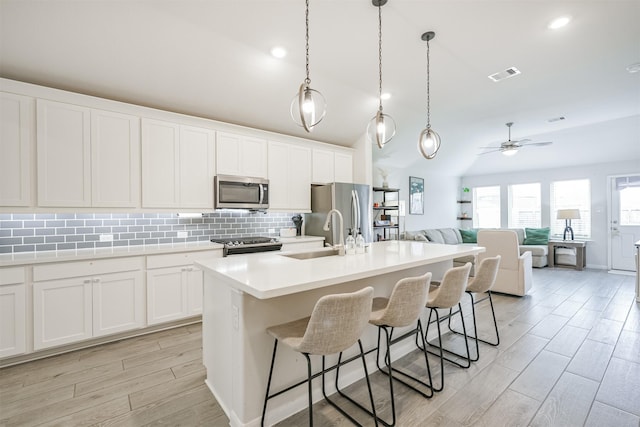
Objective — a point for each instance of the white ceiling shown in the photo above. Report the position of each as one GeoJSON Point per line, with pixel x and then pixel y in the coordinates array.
{"type": "Point", "coordinates": [211, 59]}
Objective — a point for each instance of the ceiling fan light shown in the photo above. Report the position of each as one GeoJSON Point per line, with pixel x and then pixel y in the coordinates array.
{"type": "Point", "coordinates": [509, 152]}
{"type": "Point", "coordinates": [308, 107]}
{"type": "Point", "coordinates": [429, 143]}
{"type": "Point", "coordinates": [381, 129]}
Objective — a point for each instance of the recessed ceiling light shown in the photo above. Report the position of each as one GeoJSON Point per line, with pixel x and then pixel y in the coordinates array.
{"type": "Point", "coordinates": [278, 52]}
{"type": "Point", "coordinates": [559, 22]}
{"type": "Point", "coordinates": [385, 96]}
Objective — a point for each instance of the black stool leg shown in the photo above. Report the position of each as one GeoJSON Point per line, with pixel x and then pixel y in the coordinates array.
{"type": "Point", "coordinates": [266, 397]}
{"type": "Point", "coordinates": [309, 388]}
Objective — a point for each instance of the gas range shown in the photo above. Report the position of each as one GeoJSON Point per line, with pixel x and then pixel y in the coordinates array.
{"type": "Point", "coordinates": [247, 245]}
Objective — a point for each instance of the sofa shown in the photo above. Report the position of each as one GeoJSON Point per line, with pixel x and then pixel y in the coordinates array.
{"type": "Point", "coordinates": [453, 236]}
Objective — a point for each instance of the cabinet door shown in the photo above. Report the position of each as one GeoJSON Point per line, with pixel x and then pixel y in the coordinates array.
{"type": "Point", "coordinates": [343, 167]}
{"type": "Point", "coordinates": [12, 320]}
{"type": "Point", "coordinates": [160, 154]}
{"type": "Point", "coordinates": [228, 154]}
{"type": "Point", "coordinates": [278, 165]}
{"type": "Point", "coordinates": [197, 160]}
{"type": "Point", "coordinates": [166, 295]}
{"type": "Point", "coordinates": [16, 133]}
{"type": "Point", "coordinates": [253, 157]}
{"type": "Point", "coordinates": [115, 159]}
{"type": "Point", "coordinates": [194, 290]}
{"type": "Point", "coordinates": [323, 166]}
{"type": "Point", "coordinates": [118, 302]}
{"type": "Point", "coordinates": [299, 178]}
{"type": "Point", "coordinates": [61, 312]}
{"type": "Point", "coordinates": [241, 155]}
{"type": "Point", "coordinates": [64, 154]}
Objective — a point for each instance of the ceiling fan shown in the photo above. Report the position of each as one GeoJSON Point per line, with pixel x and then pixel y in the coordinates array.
{"type": "Point", "coordinates": [510, 148]}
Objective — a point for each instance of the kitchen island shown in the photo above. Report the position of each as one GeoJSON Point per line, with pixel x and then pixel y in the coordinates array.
{"type": "Point", "coordinates": [245, 294]}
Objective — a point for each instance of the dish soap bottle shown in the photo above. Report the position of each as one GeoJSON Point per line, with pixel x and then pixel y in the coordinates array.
{"type": "Point", "coordinates": [350, 244]}
{"type": "Point", "coordinates": [359, 243]}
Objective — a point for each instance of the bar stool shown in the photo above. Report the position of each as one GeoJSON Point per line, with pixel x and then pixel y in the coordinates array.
{"type": "Point", "coordinates": [482, 282]}
{"type": "Point", "coordinates": [401, 309]}
{"type": "Point", "coordinates": [448, 295]}
{"type": "Point", "coordinates": [336, 323]}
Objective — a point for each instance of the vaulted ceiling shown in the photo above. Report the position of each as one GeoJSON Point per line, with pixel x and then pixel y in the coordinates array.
{"type": "Point", "coordinates": [211, 59]}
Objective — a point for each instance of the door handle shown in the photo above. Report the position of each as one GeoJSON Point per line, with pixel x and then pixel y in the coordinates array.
{"type": "Point", "coordinates": [261, 193]}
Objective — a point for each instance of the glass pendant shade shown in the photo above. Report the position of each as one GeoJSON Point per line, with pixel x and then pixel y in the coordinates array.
{"type": "Point", "coordinates": [308, 107]}
{"type": "Point", "coordinates": [381, 128]}
{"type": "Point", "coordinates": [429, 143]}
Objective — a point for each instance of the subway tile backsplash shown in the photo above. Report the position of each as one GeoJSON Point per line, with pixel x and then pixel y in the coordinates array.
{"type": "Point", "coordinates": [50, 232]}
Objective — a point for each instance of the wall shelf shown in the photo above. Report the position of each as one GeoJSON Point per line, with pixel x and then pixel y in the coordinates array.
{"type": "Point", "coordinates": [386, 196]}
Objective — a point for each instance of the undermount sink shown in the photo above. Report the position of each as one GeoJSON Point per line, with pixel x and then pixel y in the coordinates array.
{"type": "Point", "coordinates": [313, 254]}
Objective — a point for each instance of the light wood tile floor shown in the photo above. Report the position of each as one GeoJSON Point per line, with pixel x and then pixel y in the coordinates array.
{"type": "Point", "coordinates": [569, 356]}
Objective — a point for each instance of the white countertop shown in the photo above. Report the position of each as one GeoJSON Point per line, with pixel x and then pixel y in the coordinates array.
{"type": "Point", "coordinates": [25, 258]}
{"type": "Point", "coordinates": [272, 274]}
{"type": "Point", "coordinates": [300, 239]}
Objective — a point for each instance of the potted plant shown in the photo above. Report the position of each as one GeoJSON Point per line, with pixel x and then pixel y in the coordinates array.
{"type": "Point", "coordinates": [466, 193]}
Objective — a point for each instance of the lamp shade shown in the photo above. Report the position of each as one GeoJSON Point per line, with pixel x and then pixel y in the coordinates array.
{"type": "Point", "coordinates": [568, 214]}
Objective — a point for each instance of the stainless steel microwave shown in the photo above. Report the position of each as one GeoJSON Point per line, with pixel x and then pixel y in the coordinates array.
{"type": "Point", "coordinates": [237, 192]}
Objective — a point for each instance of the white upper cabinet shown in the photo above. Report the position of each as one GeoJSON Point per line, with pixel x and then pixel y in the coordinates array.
{"type": "Point", "coordinates": [331, 166]}
{"type": "Point", "coordinates": [241, 155]}
{"type": "Point", "coordinates": [289, 177]}
{"type": "Point", "coordinates": [197, 154]}
{"type": "Point", "coordinates": [343, 167]}
{"type": "Point", "coordinates": [16, 136]}
{"type": "Point", "coordinates": [160, 151]}
{"type": "Point", "coordinates": [177, 165]}
{"type": "Point", "coordinates": [115, 159]}
{"type": "Point", "coordinates": [64, 154]}
{"type": "Point", "coordinates": [87, 157]}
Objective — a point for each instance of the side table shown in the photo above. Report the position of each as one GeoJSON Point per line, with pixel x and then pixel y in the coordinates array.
{"type": "Point", "coordinates": [580, 247]}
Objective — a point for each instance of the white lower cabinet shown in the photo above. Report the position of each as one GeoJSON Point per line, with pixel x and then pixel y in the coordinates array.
{"type": "Point", "coordinates": [174, 286]}
{"type": "Point", "coordinates": [80, 300]}
{"type": "Point", "coordinates": [12, 311]}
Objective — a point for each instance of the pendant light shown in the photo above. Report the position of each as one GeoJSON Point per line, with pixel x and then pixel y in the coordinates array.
{"type": "Point", "coordinates": [382, 127]}
{"type": "Point", "coordinates": [308, 107]}
{"type": "Point", "coordinates": [429, 141]}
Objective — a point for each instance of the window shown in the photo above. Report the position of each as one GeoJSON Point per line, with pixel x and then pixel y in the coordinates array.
{"type": "Point", "coordinates": [486, 207]}
{"type": "Point", "coordinates": [524, 206]}
{"type": "Point", "coordinates": [575, 194]}
{"type": "Point", "coordinates": [629, 191]}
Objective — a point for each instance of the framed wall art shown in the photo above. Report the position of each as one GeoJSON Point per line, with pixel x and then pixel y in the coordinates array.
{"type": "Point", "coordinates": [416, 195]}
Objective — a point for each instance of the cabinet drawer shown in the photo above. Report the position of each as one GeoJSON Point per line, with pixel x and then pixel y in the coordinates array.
{"type": "Point", "coordinates": [86, 268]}
{"type": "Point", "coordinates": [185, 258]}
{"type": "Point", "coordinates": [11, 275]}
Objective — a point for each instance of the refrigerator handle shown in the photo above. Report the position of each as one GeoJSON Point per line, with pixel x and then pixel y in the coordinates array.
{"type": "Point", "coordinates": [356, 201]}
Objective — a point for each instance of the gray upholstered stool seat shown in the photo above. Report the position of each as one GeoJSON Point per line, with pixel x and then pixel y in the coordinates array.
{"type": "Point", "coordinates": [482, 282]}
{"type": "Point", "coordinates": [401, 309]}
{"type": "Point", "coordinates": [447, 296]}
{"type": "Point", "coordinates": [336, 323]}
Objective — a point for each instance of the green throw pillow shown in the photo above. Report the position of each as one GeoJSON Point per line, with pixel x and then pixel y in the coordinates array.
{"type": "Point", "coordinates": [536, 236]}
{"type": "Point", "coordinates": [469, 236]}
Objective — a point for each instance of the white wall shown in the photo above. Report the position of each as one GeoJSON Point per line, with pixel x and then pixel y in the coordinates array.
{"type": "Point", "coordinates": [597, 249]}
{"type": "Point", "coordinates": [440, 193]}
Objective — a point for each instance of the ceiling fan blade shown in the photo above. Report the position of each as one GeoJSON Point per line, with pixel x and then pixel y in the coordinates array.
{"type": "Point", "coordinates": [494, 150]}
{"type": "Point", "coordinates": [490, 148]}
{"type": "Point", "coordinates": [539, 144]}
{"type": "Point", "coordinates": [518, 141]}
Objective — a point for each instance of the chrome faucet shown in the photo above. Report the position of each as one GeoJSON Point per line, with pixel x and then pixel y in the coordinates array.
{"type": "Point", "coordinates": [340, 245]}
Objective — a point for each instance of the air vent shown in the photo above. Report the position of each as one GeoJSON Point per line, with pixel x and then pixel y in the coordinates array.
{"type": "Point", "coordinates": [509, 72]}
{"type": "Point", "coordinates": [556, 119]}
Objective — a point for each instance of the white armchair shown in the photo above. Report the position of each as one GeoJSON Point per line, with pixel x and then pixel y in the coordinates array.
{"type": "Point", "coordinates": [515, 275]}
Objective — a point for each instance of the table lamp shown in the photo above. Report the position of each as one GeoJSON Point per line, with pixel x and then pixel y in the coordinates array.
{"type": "Point", "coordinates": [568, 215]}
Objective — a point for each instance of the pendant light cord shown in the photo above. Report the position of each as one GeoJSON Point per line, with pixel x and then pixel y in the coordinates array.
{"type": "Point", "coordinates": [307, 80]}
{"type": "Point", "coordinates": [380, 56]}
{"type": "Point", "coordinates": [428, 91]}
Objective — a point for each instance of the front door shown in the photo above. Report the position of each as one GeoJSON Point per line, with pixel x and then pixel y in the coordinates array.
{"type": "Point", "coordinates": [625, 221]}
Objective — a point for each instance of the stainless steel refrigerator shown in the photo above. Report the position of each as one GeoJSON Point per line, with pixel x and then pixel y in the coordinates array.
{"type": "Point", "coordinates": [354, 203]}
